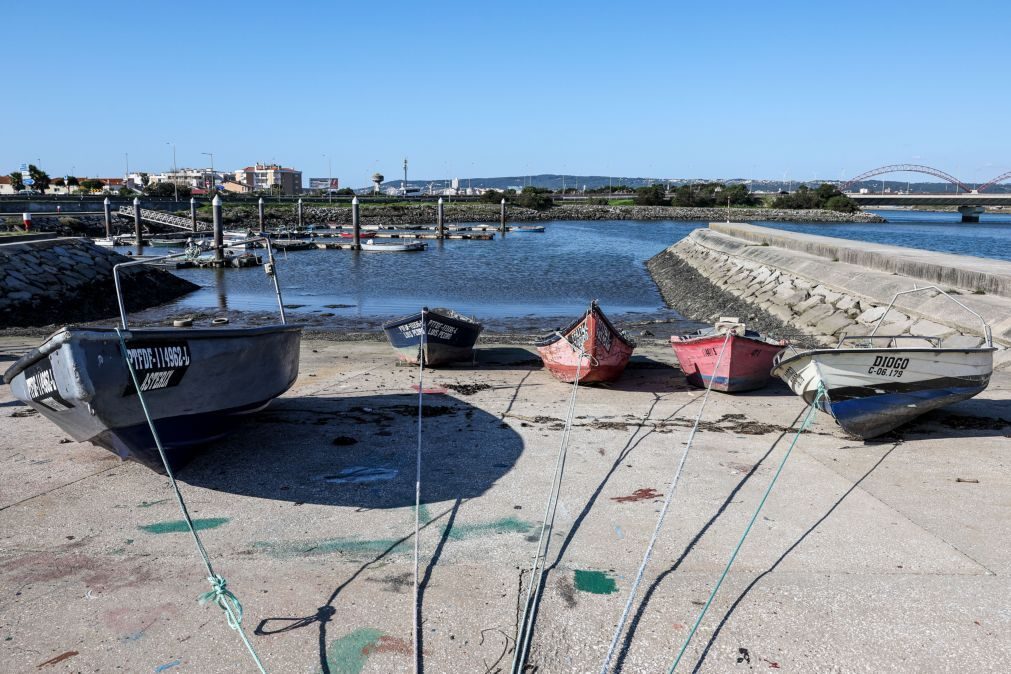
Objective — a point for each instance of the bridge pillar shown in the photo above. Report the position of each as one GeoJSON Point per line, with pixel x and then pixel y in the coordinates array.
{"type": "Point", "coordinates": [970, 213]}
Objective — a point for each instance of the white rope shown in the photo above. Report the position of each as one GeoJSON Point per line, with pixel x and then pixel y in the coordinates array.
{"type": "Point", "coordinates": [417, 490]}
{"type": "Point", "coordinates": [525, 626]}
{"type": "Point", "coordinates": [663, 513]}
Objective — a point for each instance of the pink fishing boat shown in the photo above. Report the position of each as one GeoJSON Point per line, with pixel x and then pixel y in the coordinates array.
{"type": "Point", "coordinates": [747, 357]}
{"type": "Point", "coordinates": [590, 345]}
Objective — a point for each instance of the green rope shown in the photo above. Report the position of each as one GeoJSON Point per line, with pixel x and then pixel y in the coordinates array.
{"type": "Point", "coordinates": [747, 529]}
{"type": "Point", "coordinates": [219, 593]}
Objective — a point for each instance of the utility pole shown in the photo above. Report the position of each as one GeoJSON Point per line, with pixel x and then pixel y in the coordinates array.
{"type": "Point", "coordinates": [175, 184]}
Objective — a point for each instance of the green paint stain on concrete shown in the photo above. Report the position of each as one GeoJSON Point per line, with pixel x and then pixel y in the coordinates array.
{"type": "Point", "coordinates": [358, 548]}
{"type": "Point", "coordinates": [423, 515]}
{"type": "Point", "coordinates": [348, 654]}
{"type": "Point", "coordinates": [179, 526]}
{"type": "Point", "coordinates": [595, 582]}
{"type": "Point", "coordinates": [506, 525]}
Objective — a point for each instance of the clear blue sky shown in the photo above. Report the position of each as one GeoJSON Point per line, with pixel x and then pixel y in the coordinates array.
{"type": "Point", "coordinates": [732, 89]}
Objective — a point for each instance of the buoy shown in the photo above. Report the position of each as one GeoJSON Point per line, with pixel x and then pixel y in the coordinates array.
{"type": "Point", "coordinates": [221, 320]}
{"type": "Point", "coordinates": [182, 323]}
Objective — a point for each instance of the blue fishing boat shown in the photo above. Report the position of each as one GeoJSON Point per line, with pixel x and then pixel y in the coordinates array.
{"type": "Point", "coordinates": [438, 336]}
{"type": "Point", "coordinates": [197, 383]}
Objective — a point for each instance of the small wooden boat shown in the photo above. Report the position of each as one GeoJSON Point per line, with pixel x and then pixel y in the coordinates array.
{"type": "Point", "coordinates": [527, 229]}
{"type": "Point", "coordinates": [293, 244]}
{"type": "Point", "coordinates": [197, 383]}
{"type": "Point", "coordinates": [405, 247]}
{"type": "Point", "coordinates": [106, 242]}
{"type": "Point", "coordinates": [362, 235]}
{"type": "Point", "coordinates": [873, 384]}
{"type": "Point", "coordinates": [449, 336]}
{"type": "Point", "coordinates": [746, 362]}
{"type": "Point", "coordinates": [167, 243]}
{"type": "Point", "coordinates": [590, 345]}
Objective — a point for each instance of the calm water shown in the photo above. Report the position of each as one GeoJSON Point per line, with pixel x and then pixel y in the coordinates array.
{"type": "Point", "coordinates": [923, 229]}
{"type": "Point", "coordinates": [532, 276]}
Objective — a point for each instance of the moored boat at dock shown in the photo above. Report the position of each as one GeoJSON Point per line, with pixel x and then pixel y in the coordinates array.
{"type": "Point", "coordinates": [373, 246]}
{"type": "Point", "coordinates": [875, 383]}
{"type": "Point", "coordinates": [590, 348]}
{"type": "Point", "coordinates": [745, 362]}
{"type": "Point", "coordinates": [438, 336]}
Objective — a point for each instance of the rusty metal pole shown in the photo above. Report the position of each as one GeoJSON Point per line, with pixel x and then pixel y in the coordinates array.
{"type": "Point", "coordinates": [502, 217]}
{"type": "Point", "coordinates": [440, 219]}
{"type": "Point", "coordinates": [219, 235]}
{"type": "Point", "coordinates": [108, 218]}
{"type": "Point", "coordinates": [193, 213]}
{"type": "Point", "coordinates": [259, 213]}
{"type": "Point", "coordinates": [137, 228]}
{"type": "Point", "coordinates": [356, 224]}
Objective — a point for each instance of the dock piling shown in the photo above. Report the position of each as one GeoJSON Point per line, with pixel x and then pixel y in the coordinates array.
{"type": "Point", "coordinates": [259, 213]}
{"type": "Point", "coordinates": [356, 224]}
{"type": "Point", "coordinates": [108, 218]}
{"type": "Point", "coordinates": [502, 216]}
{"type": "Point", "coordinates": [193, 213]}
{"type": "Point", "coordinates": [137, 228]}
{"type": "Point", "coordinates": [440, 219]}
{"type": "Point", "coordinates": [219, 235]}
{"type": "Point", "coordinates": [300, 213]}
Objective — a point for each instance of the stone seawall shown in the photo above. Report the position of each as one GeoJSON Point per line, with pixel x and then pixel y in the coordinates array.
{"type": "Point", "coordinates": [60, 281]}
{"type": "Point", "coordinates": [805, 283]}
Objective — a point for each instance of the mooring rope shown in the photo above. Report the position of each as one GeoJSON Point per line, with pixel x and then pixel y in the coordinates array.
{"type": "Point", "coordinates": [219, 592]}
{"type": "Point", "coordinates": [525, 625]}
{"type": "Point", "coordinates": [747, 529]}
{"type": "Point", "coordinates": [417, 492]}
{"type": "Point", "coordinates": [663, 513]}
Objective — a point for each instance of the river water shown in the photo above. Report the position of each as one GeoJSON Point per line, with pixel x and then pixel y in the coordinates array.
{"type": "Point", "coordinates": [528, 280]}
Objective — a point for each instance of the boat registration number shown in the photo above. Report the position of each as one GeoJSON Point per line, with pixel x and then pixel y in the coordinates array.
{"type": "Point", "coordinates": [888, 366]}
{"type": "Point", "coordinates": [158, 365]}
{"type": "Point", "coordinates": [40, 382]}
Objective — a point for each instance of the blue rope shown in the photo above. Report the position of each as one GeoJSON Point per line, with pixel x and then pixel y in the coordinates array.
{"type": "Point", "coordinates": [219, 593]}
{"type": "Point", "coordinates": [747, 529]}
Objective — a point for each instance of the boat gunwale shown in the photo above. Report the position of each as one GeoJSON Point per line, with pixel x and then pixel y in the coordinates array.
{"type": "Point", "coordinates": [65, 335]}
{"type": "Point", "coordinates": [879, 349]}
{"type": "Point", "coordinates": [551, 338]}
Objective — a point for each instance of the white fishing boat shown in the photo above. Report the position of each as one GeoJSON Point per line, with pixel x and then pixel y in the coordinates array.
{"type": "Point", "coordinates": [108, 242]}
{"type": "Point", "coordinates": [373, 246]}
{"type": "Point", "coordinates": [875, 383]}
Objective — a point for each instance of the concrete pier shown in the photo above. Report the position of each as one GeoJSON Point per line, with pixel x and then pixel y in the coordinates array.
{"type": "Point", "coordinates": [868, 557]}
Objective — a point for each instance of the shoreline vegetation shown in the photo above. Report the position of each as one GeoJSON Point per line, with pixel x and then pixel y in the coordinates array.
{"type": "Point", "coordinates": [455, 213]}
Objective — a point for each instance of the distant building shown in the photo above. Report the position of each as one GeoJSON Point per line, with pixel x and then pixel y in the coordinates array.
{"type": "Point", "coordinates": [203, 178]}
{"type": "Point", "coordinates": [267, 177]}
{"type": "Point", "coordinates": [5, 185]}
{"type": "Point", "coordinates": [236, 188]}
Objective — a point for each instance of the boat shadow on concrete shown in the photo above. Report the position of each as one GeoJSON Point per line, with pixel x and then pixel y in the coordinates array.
{"type": "Point", "coordinates": [360, 452]}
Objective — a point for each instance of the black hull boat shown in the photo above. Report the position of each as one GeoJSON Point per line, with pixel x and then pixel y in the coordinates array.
{"type": "Point", "coordinates": [449, 337]}
{"type": "Point", "coordinates": [197, 383]}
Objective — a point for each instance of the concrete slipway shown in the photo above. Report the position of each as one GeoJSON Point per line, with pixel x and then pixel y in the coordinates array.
{"type": "Point", "coordinates": [868, 557]}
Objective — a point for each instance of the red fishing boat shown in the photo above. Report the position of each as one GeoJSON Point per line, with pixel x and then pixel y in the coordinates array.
{"type": "Point", "coordinates": [361, 235]}
{"type": "Point", "coordinates": [590, 345]}
{"type": "Point", "coordinates": [747, 357]}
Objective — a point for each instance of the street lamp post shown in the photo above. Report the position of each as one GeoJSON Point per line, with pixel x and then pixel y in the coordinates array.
{"type": "Point", "coordinates": [214, 176]}
{"type": "Point", "coordinates": [329, 179]}
{"type": "Point", "coordinates": [175, 184]}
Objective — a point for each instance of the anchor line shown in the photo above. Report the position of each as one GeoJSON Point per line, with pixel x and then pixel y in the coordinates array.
{"type": "Point", "coordinates": [525, 626]}
{"type": "Point", "coordinates": [417, 492]}
{"type": "Point", "coordinates": [804, 424]}
{"type": "Point", "coordinates": [219, 593]}
{"type": "Point", "coordinates": [605, 666]}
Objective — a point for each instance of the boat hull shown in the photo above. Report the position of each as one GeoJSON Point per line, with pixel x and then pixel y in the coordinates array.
{"type": "Point", "coordinates": [197, 383]}
{"type": "Point", "coordinates": [450, 337]}
{"type": "Point", "coordinates": [608, 350]}
{"type": "Point", "coordinates": [870, 392]}
{"type": "Point", "coordinates": [745, 366]}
